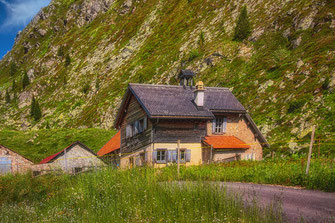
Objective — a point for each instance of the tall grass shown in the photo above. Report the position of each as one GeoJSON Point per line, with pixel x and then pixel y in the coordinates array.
{"type": "Point", "coordinates": [290, 172]}
{"type": "Point", "coordinates": [135, 195]}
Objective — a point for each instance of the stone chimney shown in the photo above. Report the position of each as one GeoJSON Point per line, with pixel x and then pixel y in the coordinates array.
{"type": "Point", "coordinates": [199, 94]}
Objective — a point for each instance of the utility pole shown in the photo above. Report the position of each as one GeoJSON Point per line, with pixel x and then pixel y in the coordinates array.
{"type": "Point", "coordinates": [310, 150]}
{"type": "Point", "coordinates": [178, 156]}
{"type": "Point", "coordinates": [211, 155]}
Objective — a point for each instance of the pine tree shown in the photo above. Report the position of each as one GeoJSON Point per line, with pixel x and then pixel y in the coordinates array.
{"type": "Point", "coordinates": [242, 28]}
{"type": "Point", "coordinates": [7, 97]}
{"type": "Point", "coordinates": [32, 107]}
{"type": "Point", "coordinates": [25, 80]}
{"type": "Point", "coordinates": [97, 84]}
{"type": "Point", "coordinates": [37, 111]}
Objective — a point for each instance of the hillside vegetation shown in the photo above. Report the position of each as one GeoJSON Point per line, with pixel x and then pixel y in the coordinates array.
{"type": "Point", "coordinates": [80, 55]}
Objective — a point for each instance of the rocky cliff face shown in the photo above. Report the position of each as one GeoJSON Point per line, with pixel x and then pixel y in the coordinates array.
{"type": "Point", "coordinates": [81, 54]}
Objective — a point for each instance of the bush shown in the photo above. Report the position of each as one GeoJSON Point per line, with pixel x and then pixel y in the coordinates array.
{"type": "Point", "coordinates": [25, 80]}
{"type": "Point", "coordinates": [35, 111]}
{"type": "Point", "coordinates": [7, 97]}
{"type": "Point", "coordinates": [295, 105]}
{"type": "Point", "coordinates": [242, 28]}
{"type": "Point", "coordinates": [86, 88]}
{"type": "Point", "coordinates": [67, 60]}
{"type": "Point", "coordinates": [13, 69]}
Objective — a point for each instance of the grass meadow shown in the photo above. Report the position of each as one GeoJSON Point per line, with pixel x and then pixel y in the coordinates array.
{"type": "Point", "coordinates": [151, 195]}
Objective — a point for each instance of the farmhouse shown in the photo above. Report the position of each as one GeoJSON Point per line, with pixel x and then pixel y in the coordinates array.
{"type": "Point", "coordinates": [75, 158]}
{"type": "Point", "coordinates": [12, 162]}
{"type": "Point", "coordinates": [211, 124]}
{"type": "Point", "coordinates": [111, 150]}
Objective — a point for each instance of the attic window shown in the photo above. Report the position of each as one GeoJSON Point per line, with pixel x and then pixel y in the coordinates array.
{"type": "Point", "coordinates": [136, 127]}
{"type": "Point", "coordinates": [219, 124]}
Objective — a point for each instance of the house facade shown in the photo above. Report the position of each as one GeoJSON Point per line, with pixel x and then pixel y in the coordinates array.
{"type": "Point", "coordinates": [208, 124]}
{"type": "Point", "coordinates": [11, 162]}
{"type": "Point", "coordinates": [74, 159]}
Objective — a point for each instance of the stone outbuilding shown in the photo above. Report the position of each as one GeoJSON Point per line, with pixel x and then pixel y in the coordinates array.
{"type": "Point", "coordinates": [74, 159]}
{"type": "Point", "coordinates": [11, 162]}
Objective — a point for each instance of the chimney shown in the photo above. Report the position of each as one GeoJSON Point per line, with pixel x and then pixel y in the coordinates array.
{"type": "Point", "coordinates": [199, 94]}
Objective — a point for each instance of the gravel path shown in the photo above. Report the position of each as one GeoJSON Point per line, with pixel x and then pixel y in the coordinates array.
{"type": "Point", "coordinates": [313, 206]}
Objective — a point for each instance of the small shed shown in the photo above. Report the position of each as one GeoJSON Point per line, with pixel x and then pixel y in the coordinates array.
{"type": "Point", "coordinates": [11, 162]}
{"type": "Point", "coordinates": [75, 158]}
{"type": "Point", "coordinates": [110, 152]}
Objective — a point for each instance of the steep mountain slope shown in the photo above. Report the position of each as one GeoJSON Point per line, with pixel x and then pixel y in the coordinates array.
{"type": "Point", "coordinates": [81, 54]}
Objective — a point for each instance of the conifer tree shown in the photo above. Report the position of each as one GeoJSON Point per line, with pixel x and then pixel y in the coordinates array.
{"type": "Point", "coordinates": [242, 28]}
{"type": "Point", "coordinates": [32, 107]}
{"type": "Point", "coordinates": [37, 111]}
{"type": "Point", "coordinates": [7, 97]}
{"type": "Point", "coordinates": [25, 80]}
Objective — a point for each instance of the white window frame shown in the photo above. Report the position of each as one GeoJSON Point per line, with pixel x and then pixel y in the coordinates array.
{"type": "Point", "coordinates": [159, 154]}
{"type": "Point", "coordinates": [218, 124]}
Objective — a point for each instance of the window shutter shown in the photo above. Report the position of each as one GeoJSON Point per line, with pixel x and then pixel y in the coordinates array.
{"type": "Point", "coordinates": [128, 131]}
{"type": "Point", "coordinates": [136, 127]}
{"type": "Point", "coordinates": [145, 120]}
{"type": "Point", "coordinates": [224, 124]}
{"type": "Point", "coordinates": [168, 156]}
{"type": "Point", "coordinates": [154, 156]}
{"type": "Point", "coordinates": [188, 155]}
{"type": "Point", "coordinates": [137, 161]}
{"type": "Point", "coordinates": [174, 155]}
{"type": "Point", "coordinates": [213, 125]}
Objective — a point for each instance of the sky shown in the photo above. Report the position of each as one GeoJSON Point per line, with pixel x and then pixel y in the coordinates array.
{"type": "Point", "coordinates": [14, 16]}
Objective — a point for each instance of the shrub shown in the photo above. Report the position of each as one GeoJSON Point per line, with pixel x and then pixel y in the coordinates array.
{"type": "Point", "coordinates": [295, 105]}
{"type": "Point", "coordinates": [13, 69]}
{"type": "Point", "coordinates": [242, 28]}
{"type": "Point", "coordinates": [193, 54]}
{"type": "Point", "coordinates": [25, 80]}
{"type": "Point", "coordinates": [67, 60]}
{"type": "Point", "coordinates": [86, 88]}
{"type": "Point", "coordinates": [7, 97]}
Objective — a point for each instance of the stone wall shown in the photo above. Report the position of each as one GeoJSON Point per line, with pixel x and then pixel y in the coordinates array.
{"type": "Point", "coordinates": [19, 164]}
{"type": "Point", "coordinates": [237, 126]}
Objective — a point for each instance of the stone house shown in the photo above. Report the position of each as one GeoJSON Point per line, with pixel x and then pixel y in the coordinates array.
{"type": "Point", "coordinates": [73, 159]}
{"type": "Point", "coordinates": [211, 124]}
{"type": "Point", "coordinates": [110, 152]}
{"type": "Point", "coordinates": [12, 162]}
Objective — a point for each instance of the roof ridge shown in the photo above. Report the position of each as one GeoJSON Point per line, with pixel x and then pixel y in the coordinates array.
{"type": "Point", "coordinates": [176, 86]}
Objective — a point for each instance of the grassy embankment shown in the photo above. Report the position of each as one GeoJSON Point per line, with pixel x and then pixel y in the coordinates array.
{"type": "Point", "coordinates": [38, 144]}
{"type": "Point", "coordinates": [136, 195]}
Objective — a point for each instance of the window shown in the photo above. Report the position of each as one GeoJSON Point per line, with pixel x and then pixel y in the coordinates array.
{"type": "Point", "coordinates": [78, 169]}
{"type": "Point", "coordinates": [161, 156]}
{"type": "Point", "coordinates": [136, 127]}
{"type": "Point", "coordinates": [219, 124]}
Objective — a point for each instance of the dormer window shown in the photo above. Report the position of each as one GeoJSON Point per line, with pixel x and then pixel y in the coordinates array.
{"type": "Point", "coordinates": [219, 125]}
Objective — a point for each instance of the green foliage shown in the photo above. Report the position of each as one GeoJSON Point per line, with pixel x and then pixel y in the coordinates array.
{"type": "Point", "coordinates": [97, 84]}
{"type": "Point", "coordinates": [86, 88]}
{"type": "Point", "coordinates": [38, 144]}
{"type": "Point", "coordinates": [193, 55]}
{"type": "Point", "coordinates": [134, 195]}
{"type": "Point", "coordinates": [35, 111]}
{"type": "Point", "coordinates": [60, 51]}
{"type": "Point", "coordinates": [7, 97]}
{"type": "Point", "coordinates": [67, 60]}
{"type": "Point", "coordinates": [25, 80]}
{"type": "Point", "coordinates": [14, 86]}
{"type": "Point", "coordinates": [13, 69]}
{"type": "Point", "coordinates": [242, 29]}
{"type": "Point", "coordinates": [202, 39]}
{"type": "Point", "coordinates": [295, 106]}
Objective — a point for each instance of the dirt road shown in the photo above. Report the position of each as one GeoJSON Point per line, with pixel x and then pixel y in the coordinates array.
{"type": "Point", "coordinates": [313, 206]}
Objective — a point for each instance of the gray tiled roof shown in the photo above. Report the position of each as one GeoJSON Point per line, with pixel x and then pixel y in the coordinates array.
{"type": "Point", "coordinates": [173, 100]}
